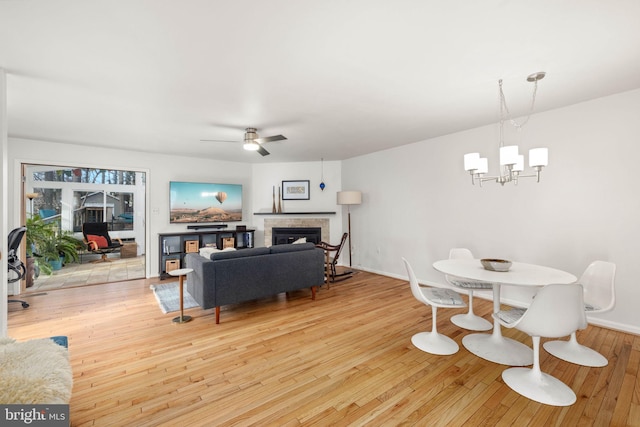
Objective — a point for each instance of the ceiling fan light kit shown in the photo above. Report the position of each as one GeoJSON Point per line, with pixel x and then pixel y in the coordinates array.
{"type": "Point", "coordinates": [250, 137]}
{"type": "Point", "coordinates": [252, 142]}
{"type": "Point", "coordinates": [511, 160]}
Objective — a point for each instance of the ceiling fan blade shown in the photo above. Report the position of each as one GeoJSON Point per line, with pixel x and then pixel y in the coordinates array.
{"type": "Point", "coordinates": [218, 140]}
{"type": "Point", "coordinates": [271, 139]}
{"type": "Point", "coordinates": [262, 151]}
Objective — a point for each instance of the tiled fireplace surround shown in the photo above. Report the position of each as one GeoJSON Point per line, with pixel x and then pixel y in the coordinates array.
{"type": "Point", "coordinates": [269, 223]}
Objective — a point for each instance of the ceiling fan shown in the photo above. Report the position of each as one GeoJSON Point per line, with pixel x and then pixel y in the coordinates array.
{"type": "Point", "coordinates": [252, 142]}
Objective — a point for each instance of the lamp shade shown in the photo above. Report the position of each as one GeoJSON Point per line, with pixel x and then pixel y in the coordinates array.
{"type": "Point", "coordinates": [538, 157]}
{"type": "Point", "coordinates": [483, 165]}
{"type": "Point", "coordinates": [519, 166]}
{"type": "Point", "coordinates": [349, 197]}
{"type": "Point", "coordinates": [471, 161]}
{"type": "Point", "coordinates": [509, 155]}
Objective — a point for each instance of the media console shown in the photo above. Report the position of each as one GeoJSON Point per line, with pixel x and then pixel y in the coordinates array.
{"type": "Point", "coordinates": [173, 247]}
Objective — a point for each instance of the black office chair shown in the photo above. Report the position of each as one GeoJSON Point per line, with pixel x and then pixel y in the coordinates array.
{"type": "Point", "coordinates": [17, 269]}
{"type": "Point", "coordinates": [98, 241]}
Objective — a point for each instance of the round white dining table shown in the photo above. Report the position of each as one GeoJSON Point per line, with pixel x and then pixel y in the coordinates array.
{"type": "Point", "coordinates": [495, 347]}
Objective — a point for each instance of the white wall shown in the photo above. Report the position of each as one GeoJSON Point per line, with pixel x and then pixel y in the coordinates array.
{"type": "Point", "coordinates": [418, 201]}
{"type": "Point", "coordinates": [266, 176]}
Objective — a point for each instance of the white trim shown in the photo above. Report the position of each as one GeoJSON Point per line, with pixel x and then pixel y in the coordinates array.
{"type": "Point", "coordinates": [4, 211]}
{"type": "Point", "coordinates": [18, 162]}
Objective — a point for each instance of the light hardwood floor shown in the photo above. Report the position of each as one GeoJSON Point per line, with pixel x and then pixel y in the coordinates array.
{"type": "Point", "coordinates": [344, 359]}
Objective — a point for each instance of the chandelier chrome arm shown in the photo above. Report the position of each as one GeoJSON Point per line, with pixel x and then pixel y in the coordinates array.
{"type": "Point", "coordinates": [512, 176]}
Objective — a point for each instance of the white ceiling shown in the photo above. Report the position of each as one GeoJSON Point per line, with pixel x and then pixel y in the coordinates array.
{"type": "Point", "coordinates": [339, 78]}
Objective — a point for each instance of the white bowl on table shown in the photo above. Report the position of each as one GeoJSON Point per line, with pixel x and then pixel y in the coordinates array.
{"type": "Point", "coordinates": [494, 264]}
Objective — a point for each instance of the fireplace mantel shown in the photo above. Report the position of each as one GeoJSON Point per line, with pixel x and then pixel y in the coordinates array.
{"type": "Point", "coordinates": [294, 213]}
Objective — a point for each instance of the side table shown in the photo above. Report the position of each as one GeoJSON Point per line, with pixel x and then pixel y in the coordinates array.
{"type": "Point", "coordinates": [181, 273]}
{"type": "Point", "coordinates": [129, 250]}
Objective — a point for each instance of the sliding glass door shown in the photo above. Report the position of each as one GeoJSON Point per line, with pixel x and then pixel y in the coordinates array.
{"type": "Point", "coordinates": [69, 197]}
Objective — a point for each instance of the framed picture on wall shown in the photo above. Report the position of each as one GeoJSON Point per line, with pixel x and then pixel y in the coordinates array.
{"type": "Point", "coordinates": [295, 190]}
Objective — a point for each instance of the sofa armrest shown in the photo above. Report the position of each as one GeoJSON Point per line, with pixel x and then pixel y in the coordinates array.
{"type": "Point", "coordinates": [202, 268]}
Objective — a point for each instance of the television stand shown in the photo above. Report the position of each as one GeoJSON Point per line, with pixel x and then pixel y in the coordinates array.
{"type": "Point", "coordinates": [173, 247]}
{"type": "Point", "coordinates": [205, 226]}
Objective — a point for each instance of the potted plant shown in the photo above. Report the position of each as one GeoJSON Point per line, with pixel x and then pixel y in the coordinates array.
{"type": "Point", "coordinates": [49, 245]}
{"type": "Point", "coordinates": [67, 246]}
{"type": "Point", "coordinates": [48, 250]}
{"type": "Point", "coordinates": [37, 231]}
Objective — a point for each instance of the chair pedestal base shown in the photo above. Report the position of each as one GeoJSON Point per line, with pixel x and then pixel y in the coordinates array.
{"type": "Point", "coordinates": [471, 322]}
{"type": "Point", "coordinates": [24, 303]}
{"type": "Point", "coordinates": [103, 258]}
{"type": "Point", "coordinates": [573, 352]}
{"type": "Point", "coordinates": [434, 343]}
{"type": "Point", "coordinates": [498, 349]}
{"type": "Point", "coordinates": [539, 386]}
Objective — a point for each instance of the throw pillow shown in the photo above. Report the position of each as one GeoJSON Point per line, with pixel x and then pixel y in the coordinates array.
{"type": "Point", "coordinates": [101, 241]}
{"type": "Point", "coordinates": [206, 252]}
{"type": "Point", "coordinates": [300, 240]}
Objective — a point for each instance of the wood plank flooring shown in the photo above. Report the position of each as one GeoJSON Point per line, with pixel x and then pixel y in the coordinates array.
{"type": "Point", "coordinates": [344, 359]}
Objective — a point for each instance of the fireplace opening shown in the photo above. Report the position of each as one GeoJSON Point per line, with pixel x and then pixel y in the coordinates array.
{"type": "Point", "coordinates": [285, 235]}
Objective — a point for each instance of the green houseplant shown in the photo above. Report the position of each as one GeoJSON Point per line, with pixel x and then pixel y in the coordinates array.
{"type": "Point", "coordinates": [48, 250]}
{"type": "Point", "coordinates": [68, 246]}
{"type": "Point", "coordinates": [49, 245]}
{"type": "Point", "coordinates": [37, 232]}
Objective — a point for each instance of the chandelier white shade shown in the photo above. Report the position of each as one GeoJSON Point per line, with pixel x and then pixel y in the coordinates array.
{"type": "Point", "coordinates": [511, 161]}
{"type": "Point", "coordinates": [538, 157]}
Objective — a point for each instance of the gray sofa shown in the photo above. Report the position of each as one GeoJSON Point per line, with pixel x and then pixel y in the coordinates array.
{"type": "Point", "coordinates": [248, 274]}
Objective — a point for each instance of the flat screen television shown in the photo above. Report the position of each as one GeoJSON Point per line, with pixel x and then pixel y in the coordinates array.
{"type": "Point", "coordinates": [199, 202]}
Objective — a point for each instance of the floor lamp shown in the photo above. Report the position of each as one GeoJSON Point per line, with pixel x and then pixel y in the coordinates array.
{"type": "Point", "coordinates": [31, 196]}
{"type": "Point", "coordinates": [349, 198]}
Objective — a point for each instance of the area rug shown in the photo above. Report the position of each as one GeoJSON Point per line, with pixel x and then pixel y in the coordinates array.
{"type": "Point", "coordinates": [34, 372]}
{"type": "Point", "coordinates": [168, 297]}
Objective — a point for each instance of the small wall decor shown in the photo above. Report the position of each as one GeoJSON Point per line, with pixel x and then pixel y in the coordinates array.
{"type": "Point", "coordinates": [322, 185]}
{"type": "Point", "coordinates": [279, 202]}
{"type": "Point", "coordinates": [295, 190]}
{"type": "Point", "coordinates": [273, 197]}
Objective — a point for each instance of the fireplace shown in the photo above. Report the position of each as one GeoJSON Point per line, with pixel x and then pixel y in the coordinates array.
{"type": "Point", "coordinates": [295, 222]}
{"type": "Point", "coordinates": [284, 235]}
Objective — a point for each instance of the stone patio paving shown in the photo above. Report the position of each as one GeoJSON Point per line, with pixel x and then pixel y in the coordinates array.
{"type": "Point", "coordinates": [88, 273]}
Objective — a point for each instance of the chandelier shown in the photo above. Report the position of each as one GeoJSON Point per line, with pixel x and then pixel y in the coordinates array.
{"type": "Point", "coordinates": [511, 160]}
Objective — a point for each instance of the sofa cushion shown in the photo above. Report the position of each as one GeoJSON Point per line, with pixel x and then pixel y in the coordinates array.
{"type": "Point", "coordinates": [238, 254]}
{"type": "Point", "coordinates": [290, 247]}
